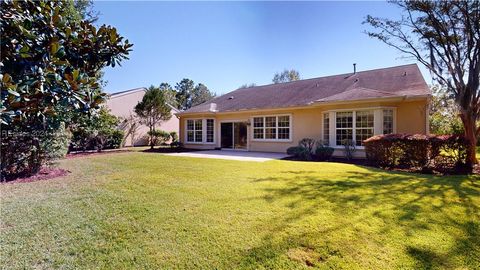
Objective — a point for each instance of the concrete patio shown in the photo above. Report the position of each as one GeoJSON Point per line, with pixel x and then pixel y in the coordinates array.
{"type": "Point", "coordinates": [232, 155]}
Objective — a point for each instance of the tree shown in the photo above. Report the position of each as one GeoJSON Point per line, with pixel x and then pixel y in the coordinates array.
{"type": "Point", "coordinates": [200, 95]}
{"type": "Point", "coordinates": [184, 91]}
{"type": "Point", "coordinates": [169, 94]}
{"type": "Point", "coordinates": [286, 76]}
{"type": "Point", "coordinates": [246, 85]}
{"type": "Point", "coordinates": [445, 37]}
{"type": "Point", "coordinates": [81, 10]}
{"type": "Point", "coordinates": [152, 110]}
{"type": "Point", "coordinates": [443, 114]}
{"type": "Point", "coordinates": [49, 65]}
{"type": "Point", "coordinates": [189, 95]}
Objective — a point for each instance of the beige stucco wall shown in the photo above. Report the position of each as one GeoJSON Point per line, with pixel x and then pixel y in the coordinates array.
{"type": "Point", "coordinates": [123, 105]}
{"type": "Point", "coordinates": [410, 117]}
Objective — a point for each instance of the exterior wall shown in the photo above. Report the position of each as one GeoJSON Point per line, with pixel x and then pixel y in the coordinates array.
{"type": "Point", "coordinates": [122, 105]}
{"type": "Point", "coordinates": [409, 117]}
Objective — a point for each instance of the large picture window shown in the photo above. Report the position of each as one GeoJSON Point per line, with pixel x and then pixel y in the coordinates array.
{"type": "Point", "coordinates": [194, 130]}
{"type": "Point", "coordinates": [354, 125]}
{"type": "Point", "coordinates": [272, 127]}
{"type": "Point", "coordinates": [363, 126]}
{"type": "Point", "coordinates": [344, 125]}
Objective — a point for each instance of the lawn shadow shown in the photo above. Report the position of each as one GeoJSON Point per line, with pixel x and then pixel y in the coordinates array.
{"type": "Point", "coordinates": [412, 198]}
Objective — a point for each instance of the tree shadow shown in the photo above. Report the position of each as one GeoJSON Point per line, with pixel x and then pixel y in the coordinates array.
{"type": "Point", "coordinates": [411, 203]}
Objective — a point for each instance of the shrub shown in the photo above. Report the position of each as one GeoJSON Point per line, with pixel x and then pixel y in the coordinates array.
{"type": "Point", "coordinates": [115, 140]}
{"type": "Point", "coordinates": [323, 152]}
{"type": "Point", "coordinates": [307, 143]}
{"type": "Point", "coordinates": [159, 137]}
{"type": "Point", "coordinates": [417, 151]}
{"type": "Point", "coordinates": [299, 152]}
{"type": "Point", "coordinates": [349, 148]}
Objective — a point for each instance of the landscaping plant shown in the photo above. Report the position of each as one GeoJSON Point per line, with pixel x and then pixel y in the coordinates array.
{"type": "Point", "coordinates": [50, 64]}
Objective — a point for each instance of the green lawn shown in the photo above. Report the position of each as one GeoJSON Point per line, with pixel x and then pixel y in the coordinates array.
{"type": "Point", "coordinates": [140, 210]}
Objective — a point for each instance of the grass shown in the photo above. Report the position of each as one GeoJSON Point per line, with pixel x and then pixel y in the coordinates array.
{"type": "Point", "coordinates": [142, 210]}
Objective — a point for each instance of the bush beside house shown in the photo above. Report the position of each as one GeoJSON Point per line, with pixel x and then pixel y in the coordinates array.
{"type": "Point", "coordinates": [309, 149]}
{"type": "Point", "coordinates": [444, 153]}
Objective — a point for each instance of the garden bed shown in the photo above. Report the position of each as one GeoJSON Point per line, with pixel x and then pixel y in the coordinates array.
{"type": "Point", "coordinates": [45, 173]}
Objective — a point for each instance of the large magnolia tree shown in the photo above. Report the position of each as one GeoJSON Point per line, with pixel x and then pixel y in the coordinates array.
{"type": "Point", "coordinates": [445, 37]}
{"type": "Point", "coordinates": [50, 64]}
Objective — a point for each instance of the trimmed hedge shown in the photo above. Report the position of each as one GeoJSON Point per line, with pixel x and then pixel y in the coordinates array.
{"type": "Point", "coordinates": [417, 151]}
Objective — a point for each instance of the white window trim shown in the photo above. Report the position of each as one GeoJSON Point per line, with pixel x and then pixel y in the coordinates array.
{"type": "Point", "coordinates": [204, 131]}
{"type": "Point", "coordinates": [290, 128]}
{"type": "Point", "coordinates": [377, 122]}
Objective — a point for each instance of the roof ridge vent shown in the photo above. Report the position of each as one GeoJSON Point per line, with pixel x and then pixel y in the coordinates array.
{"type": "Point", "coordinates": [231, 97]}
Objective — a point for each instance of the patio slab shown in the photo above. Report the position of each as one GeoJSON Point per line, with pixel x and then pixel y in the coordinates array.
{"type": "Point", "coordinates": [232, 155]}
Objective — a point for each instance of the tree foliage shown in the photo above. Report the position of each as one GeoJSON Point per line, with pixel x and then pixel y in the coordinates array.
{"type": "Point", "coordinates": [50, 65]}
{"type": "Point", "coordinates": [153, 109]}
{"type": "Point", "coordinates": [444, 112]}
{"type": "Point", "coordinates": [445, 37]}
{"type": "Point", "coordinates": [286, 76]}
{"type": "Point", "coordinates": [189, 95]}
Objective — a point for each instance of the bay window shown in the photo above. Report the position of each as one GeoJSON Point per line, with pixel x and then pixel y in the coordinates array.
{"type": "Point", "coordinates": [272, 127]}
{"type": "Point", "coordinates": [357, 125]}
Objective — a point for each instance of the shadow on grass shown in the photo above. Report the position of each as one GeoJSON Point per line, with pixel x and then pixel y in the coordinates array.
{"type": "Point", "coordinates": [411, 203]}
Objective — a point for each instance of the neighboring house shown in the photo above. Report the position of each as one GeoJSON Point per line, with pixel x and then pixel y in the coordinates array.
{"type": "Point", "coordinates": [122, 104]}
{"type": "Point", "coordinates": [274, 117]}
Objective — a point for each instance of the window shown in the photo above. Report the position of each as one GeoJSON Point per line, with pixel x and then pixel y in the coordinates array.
{"type": "Point", "coordinates": [344, 124]}
{"type": "Point", "coordinates": [194, 130]}
{"type": "Point", "coordinates": [210, 132]}
{"type": "Point", "coordinates": [326, 128]}
{"type": "Point", "coordinates": [387, 121]}
{"type": "Point", "coordinates": [271, 127]}
{"type": "Point", "coordinates": [258, 128]}
{"type": "Point", "coordinates": [363, 126]}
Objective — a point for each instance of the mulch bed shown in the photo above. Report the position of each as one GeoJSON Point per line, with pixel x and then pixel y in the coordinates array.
{"type": "Point", "coordinates": [170, 150]}
{"type": "Point", "coordinates": [45, 173]}
{"type": "Point", "coordinates": [92, 153]}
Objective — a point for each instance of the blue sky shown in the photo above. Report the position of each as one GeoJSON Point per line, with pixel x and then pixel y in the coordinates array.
{"type": "Point", "coordinates": [227, 44]}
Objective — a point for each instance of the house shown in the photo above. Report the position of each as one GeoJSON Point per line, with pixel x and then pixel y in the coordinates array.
{"type": "Point", "coordinates": [274, 117]}
{"type": "Point", "coordinates": [122, 104]}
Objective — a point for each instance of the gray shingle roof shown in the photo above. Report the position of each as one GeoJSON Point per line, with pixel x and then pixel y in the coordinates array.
{"type": "Point", "coordinates": [390, 82]}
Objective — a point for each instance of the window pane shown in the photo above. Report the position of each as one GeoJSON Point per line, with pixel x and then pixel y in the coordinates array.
{"type": "Point", "coordinates": [344, 119]}
{"type": "Point", "coordinates": [326, 128]}
{"type": "Point", "coordinates": [190, 125]}
{"type": "Point", "coordinates": [283, 133]}
{"type": "Point", "coordinates": [190, 136]}
{"type": "Point", "coordinates": [270, 133]}
{"type": "Point", "coordinates": [210, 127]}
{"type": "Point", "coordinates": [343, 134]}
{"type": "Point", "coordinates": [364, 119]}
{"type": "Point", "coordinates": [198, 135]}
{"type": "Point", "coordinates": [198, 124]}
{"type": "Point", "coordinates": [258, 133]}
{"type": "Point", "coordinates": [362, 134]}
{"type": "Point", "coordinates": [258, 122]}
{"type": "Point", "coordinates": [284, 121]}
{"type": "Point", "coordinates": [387, 121]}
{"type": "Point", "coordinates": [271, 121]}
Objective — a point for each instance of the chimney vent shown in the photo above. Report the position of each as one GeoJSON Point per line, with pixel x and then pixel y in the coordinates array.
{"type": "Point", "coordinates": [354, 68]}
{"type": "Point", "coordinates": [213, 107]}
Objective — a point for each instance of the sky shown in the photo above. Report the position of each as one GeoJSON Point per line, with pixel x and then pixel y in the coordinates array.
{"type": "Point", "coordinates": [227, 44]}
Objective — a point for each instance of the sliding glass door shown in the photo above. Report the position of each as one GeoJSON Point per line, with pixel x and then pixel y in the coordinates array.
{"type": "Point", "coordinates": [233, 135]}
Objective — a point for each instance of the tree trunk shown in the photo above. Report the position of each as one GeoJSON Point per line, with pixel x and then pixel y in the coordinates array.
{"type": "Point", "coordinates": [151, 137]}
{"type": "Point", "coordinates": [470, 126]}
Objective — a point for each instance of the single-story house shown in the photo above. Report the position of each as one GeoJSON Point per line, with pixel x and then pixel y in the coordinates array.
{"type": "Point", "coordinates": [274, 117]}
{"type": "Point", "coordinates": [122, 104]}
